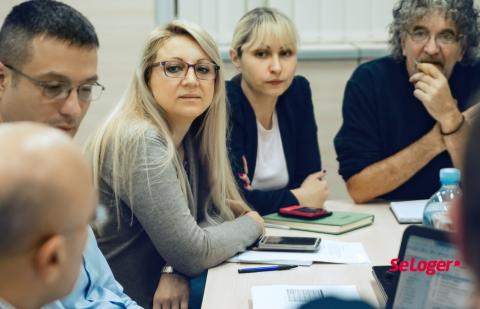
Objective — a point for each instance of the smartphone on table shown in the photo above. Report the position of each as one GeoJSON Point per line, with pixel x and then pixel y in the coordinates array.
{"type": "Point", "coordinates": [302, 212]}
{"type": "Point", "coordinates": [288, 243]}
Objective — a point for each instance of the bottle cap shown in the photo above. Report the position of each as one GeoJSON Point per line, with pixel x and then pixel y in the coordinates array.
{"type": "Point", "coordinates": [450, 176]}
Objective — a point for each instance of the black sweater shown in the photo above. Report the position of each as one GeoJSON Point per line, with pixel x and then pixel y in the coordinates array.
{"type": "Point", "coordinates": [381, 117]}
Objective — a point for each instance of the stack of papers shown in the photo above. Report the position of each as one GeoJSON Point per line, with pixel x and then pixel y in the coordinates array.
{"type": "Point", "coordinates": [293, 296]}
{"type": "Point", "coordinates": [330, 252]}
{"type": "Point", "coordinates": [408, 211]}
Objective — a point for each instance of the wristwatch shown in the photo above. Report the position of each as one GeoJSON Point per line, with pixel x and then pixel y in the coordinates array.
{"type": "Point", "coordinates": [167, 269]}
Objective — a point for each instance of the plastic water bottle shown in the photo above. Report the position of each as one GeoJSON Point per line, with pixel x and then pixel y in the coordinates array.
{"type": "Point", "coordinates": [435, 213]}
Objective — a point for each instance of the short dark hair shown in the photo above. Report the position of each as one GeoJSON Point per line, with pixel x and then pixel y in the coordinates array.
{"type": "Point", "coordinates": [471, 199]}
{"type": "Point", "coordinates": [42, 17]}
{"type": "Point", "coordinates": [462, 12]}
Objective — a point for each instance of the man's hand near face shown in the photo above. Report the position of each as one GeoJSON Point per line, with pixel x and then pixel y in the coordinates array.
{"type": "Point", "coordinates": [432, 89]}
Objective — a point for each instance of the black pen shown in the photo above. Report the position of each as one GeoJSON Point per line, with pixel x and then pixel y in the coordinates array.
{"type": "Point", "coordinates": [265, 268]}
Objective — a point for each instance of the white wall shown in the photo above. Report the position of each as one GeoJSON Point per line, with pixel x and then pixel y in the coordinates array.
{"type": "Point", "coordinates": [318, 21]}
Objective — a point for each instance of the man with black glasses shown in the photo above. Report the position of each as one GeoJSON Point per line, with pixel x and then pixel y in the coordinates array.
{"type": "Point", "coordinates": [48, 74]}
{"type": "Point", "coordinates": [405, 115]}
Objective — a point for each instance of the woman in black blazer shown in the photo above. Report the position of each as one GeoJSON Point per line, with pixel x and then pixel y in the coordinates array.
{"type": "Point", "coordinates": [273, 137]}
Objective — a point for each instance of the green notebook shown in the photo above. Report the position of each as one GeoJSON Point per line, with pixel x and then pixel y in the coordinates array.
{"type": "Point", "coordinates": [339, 222]}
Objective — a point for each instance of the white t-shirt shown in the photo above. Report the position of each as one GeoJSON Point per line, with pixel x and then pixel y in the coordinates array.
{"type": "Point", "coordinates": [271, 168]}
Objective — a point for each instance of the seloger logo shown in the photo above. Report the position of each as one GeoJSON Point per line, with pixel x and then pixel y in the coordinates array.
{"type": "Point", "coordinates": [430, 267]}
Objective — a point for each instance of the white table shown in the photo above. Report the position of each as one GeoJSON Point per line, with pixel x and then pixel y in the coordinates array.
{"type": "Point", "coordinates": [226, 288]}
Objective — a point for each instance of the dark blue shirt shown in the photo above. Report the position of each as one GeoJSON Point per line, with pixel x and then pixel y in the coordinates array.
{"type": "Point", "coordinates": [381, 117]}
{"type": "Point", "coordinates": [298, 131]}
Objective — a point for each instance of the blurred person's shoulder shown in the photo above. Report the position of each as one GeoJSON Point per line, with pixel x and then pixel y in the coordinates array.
{"type": "Point", "coordinates": [332, 302]}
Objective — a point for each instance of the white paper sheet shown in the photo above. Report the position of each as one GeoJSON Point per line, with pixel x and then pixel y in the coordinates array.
{"type": "Point", "coordinates": [408, 211]}
{"type": "Point", "coordinates": [330, 252]}
{"type": "Point", "coordinates": [293, 296]}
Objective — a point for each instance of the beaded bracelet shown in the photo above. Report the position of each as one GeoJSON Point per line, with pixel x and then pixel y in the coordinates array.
{"type": "Point", "coordinates": [456, 129]}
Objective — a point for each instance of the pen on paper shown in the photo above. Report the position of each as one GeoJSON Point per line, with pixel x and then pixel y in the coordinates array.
{"type": "Point", "coordinates": [277, 226]}
{"type": "Point", "coordinates": [264, 268]}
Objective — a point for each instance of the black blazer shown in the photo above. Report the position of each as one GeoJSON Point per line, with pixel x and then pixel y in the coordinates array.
{"type": "Point", "coordinates": [299, 139]}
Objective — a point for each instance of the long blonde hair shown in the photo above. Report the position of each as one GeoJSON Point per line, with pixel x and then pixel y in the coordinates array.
{"type": "Point", "coordinates": [123, 133]}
